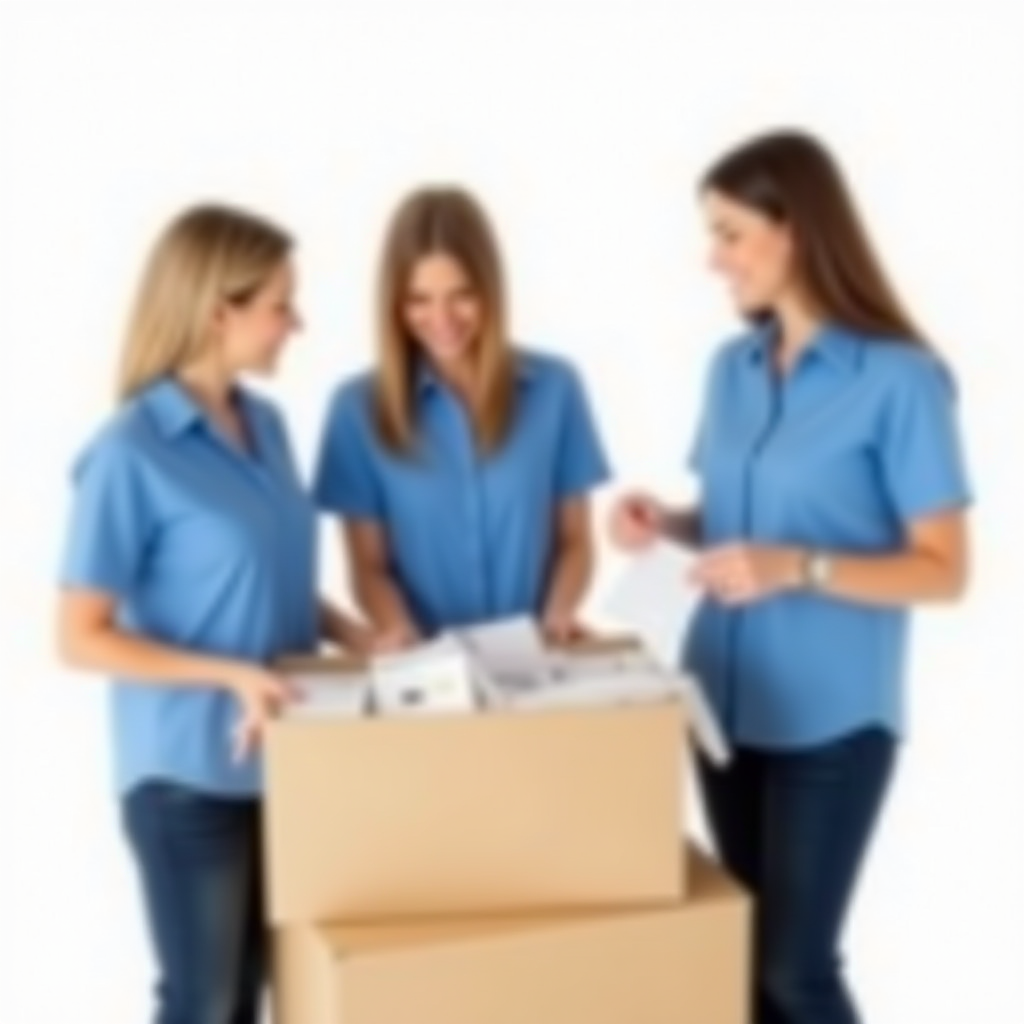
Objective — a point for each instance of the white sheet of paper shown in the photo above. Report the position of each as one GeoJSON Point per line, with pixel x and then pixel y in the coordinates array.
{"type": "Point", "coordinates": [653, 598]}
{"type": "Point", "coordinates": [323, 693]}
{"type": "Point", "coordinates": [612, 688]}
{"type": "Point", "coordinates": [513, 646]}
{"type": "Point", "coordinates": [580, 664]}
{"type": "Point", "coordinates": [706, 726]}
{"type": "Point", "coordinates": [433, 677]}
{"type": "Point", "coordinates": [443, 643]}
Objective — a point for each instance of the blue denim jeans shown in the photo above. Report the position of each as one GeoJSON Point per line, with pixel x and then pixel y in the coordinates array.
{"type": "Point", "coordinates": [794, 827]}
{"type": "Point", "coordinates": [199, 865]}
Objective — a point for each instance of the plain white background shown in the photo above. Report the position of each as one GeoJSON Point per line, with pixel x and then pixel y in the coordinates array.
{"type": "Point", "coordinates": [583, 128]}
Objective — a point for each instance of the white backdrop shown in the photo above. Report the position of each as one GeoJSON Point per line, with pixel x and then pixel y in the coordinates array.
{"type": "Point", "coordinates": [583, 128]}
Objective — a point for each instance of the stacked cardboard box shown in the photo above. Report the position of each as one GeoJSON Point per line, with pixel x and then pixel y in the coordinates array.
{"type": "Point", "coordinates": [499, 867]}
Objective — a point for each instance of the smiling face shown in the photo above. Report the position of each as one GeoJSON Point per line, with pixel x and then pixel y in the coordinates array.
{"type": "Point", "coordinates": [441, 300]}
{"type": "Point", "coordinates": [252, 333]}
{"type": "Point", "coordinates": [442, 310]}
{"type": "Point", "coordinates": [752, 252]}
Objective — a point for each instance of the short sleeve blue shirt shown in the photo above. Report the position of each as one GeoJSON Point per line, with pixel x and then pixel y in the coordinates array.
{"type": "Point", "coordinates": [204, 547]}
{"type": "Point", "coordinates": [841, 454]}
{"type": "Point", "coordinates": [470, 536]}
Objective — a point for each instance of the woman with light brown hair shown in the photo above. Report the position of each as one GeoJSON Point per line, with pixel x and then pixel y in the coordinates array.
{"type": "Point", "coordinates": [190, 565]}
{"type": "Point", "coordinates": [461, 464]}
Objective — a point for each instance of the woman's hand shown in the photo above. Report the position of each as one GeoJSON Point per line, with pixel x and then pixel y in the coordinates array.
{"type": "Point", "coordinates": [637, 521]}
{"type": "Point", "coordinates": [262, 696]}
{"type": "Point", "coordinates": [389, 640]}
{"type": "Point", "coordinates": [394, 637]}
{"type": "Point", "coordinates": [738, 574]}
{"type": "Point", "coordinates": [561, 629]}
{"type": "Point", "coordinates": [364, 640]}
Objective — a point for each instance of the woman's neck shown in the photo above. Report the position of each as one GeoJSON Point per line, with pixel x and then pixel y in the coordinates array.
{"type": "Point", "coordinates": [797, 327]}
{"type": "Point", "coordinates": [209, 384]}
{"type": "Point", "coordinates": [461, 377]}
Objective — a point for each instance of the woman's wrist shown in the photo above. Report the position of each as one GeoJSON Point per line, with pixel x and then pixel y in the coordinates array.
{"type": "Point", "coordinates": [812, 570]}
{"type": "Point", "coordinates": [682, 526]}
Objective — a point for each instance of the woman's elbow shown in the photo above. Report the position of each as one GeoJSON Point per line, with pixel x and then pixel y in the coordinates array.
{"type": "Point", "coordinates": [74, 643]}
{"type": "Point", "coordinates": [955, 582]}
{"type": "Point", "coordinates": [85, 621]}
{"type": "Point", "coordinates": [70, 646]}
{"type": "Point", "coordinates": [960, 584]}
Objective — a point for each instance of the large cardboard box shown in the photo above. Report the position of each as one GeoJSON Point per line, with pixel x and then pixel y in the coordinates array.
{"type": "Point", "coordinates": [487, 812]}
{"type": "Point", "coordinates": [688, 964]}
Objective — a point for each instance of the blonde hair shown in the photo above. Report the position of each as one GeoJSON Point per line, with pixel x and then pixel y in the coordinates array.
{"type": "Point", "coordinates": [449, 222]}
{"type": "Point", "coordinates": [206, 256]}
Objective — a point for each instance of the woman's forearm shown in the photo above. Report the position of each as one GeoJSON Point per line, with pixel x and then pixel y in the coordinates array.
{"type": "Point", "coordinates": [338, 628]}
{"type": "Point", "coordinates": [571, 576]}
{"type": "Point", "coordinates": [382, 602]}
{"type": "Point", "coordinates": [913, 577]}
{"type": "Point", "coordinates": [115, 652]}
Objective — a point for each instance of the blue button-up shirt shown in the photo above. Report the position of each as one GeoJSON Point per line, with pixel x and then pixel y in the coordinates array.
{"type": "Point", "coordinates": [470, 536]}
{"type": "Point", "coordinates": [841, 454]}
{"type": "Point", "coordinates": [203, 547]}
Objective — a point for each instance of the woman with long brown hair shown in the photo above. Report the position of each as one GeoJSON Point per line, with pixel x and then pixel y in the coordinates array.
{"type": "Point", "coordinates": [461, 465]}
{"type": "Point", "coordinates": [832, 498]}
{"type": "Point", "coordinates": [190, 565]}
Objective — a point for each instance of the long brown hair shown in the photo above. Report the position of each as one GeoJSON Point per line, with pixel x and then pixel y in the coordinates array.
{"type": "Point", "coordinates": [209, 254]}
{"type": "Point", "coordinates": [442, 221]}
{"type": "Point", "coordinates": [792, 178]}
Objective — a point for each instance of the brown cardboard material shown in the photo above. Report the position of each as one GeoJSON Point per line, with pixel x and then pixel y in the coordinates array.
{"type": "Point", "coordinates": [378, 818]}
{"type": "Point", "coordinates": [686, 964]}
{"type": "Point", "coordinates": [371, 818]}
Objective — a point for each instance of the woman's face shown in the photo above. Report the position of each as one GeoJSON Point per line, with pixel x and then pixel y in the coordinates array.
{"type": "Point", "coordinates": [442, 310]}
{"type": "Point", "coordinates": [253, 334]}
{"type": "Point", "coordinates": [751, 251]}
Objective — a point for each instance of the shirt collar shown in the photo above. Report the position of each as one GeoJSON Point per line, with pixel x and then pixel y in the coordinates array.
{"type": "Point", "coordinates": [171, 406]}
{"type": "Point", "coordinates": [427, 380]}
{"type": "Point", "coordinates": [831, 343]}
{"type": "Point", "coordinates": [176, 411]}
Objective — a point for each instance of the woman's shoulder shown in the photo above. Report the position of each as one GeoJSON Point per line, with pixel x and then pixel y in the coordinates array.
{"type": "Point", "coordinates": [356, 387]}
{"type": "Point", "coordinates": [900, 365]}
{"type": "Point", "coordinates": [351, 399]}
{"type": "Point", "coordinates": [123, 437]}
{"type": "Point", "coordinates": [534, 362]}
{"type": "Point", "coordinates": [900, 354]}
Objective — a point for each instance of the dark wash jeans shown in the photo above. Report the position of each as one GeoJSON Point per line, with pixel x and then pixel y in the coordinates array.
{"type": "Point", "coordinates": [199, 865]}
{"type": "Point", "coordinates": [794, 828]}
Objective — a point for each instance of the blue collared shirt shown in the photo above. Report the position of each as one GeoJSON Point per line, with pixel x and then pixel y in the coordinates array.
{"type": "Point", "coordinates": [203, 547]}
{"type": "Point", "coordinates": [843, 453]}
{"type": "Point", "coordinates": [471, 537]}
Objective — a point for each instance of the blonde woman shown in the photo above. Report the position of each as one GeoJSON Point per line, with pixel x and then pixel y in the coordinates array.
{"type": "Point", "coordinates": [189, 565]}
{"type": "Point", "coordinates": [461, 465]}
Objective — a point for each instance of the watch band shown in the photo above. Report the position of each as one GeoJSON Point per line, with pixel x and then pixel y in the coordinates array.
{"type": "Point", "coordinates": [817, 570]}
